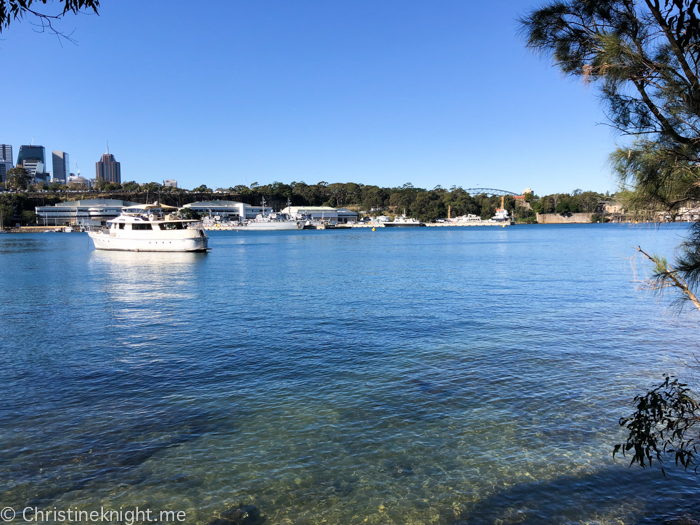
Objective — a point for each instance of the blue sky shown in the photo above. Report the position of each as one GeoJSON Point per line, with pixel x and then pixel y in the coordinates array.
{"type": "Point", "coordinates": [381, 92]}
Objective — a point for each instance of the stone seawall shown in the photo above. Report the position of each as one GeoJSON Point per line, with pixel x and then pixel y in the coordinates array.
{"type": "Point", "coordinates": [569, 218]}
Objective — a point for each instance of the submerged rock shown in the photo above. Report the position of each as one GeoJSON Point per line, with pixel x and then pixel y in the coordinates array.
{"type": "Point", "coordinates": [401, 471]}
{"type": "Point", "coordinates": [681, 520]}
{"type": "Point", "coordinates": [240, 515]}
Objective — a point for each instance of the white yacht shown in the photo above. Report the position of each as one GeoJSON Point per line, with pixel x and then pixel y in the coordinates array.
{"type": "Point", "coordinates": [272, 221]}
{"type": "Point", "coordinates": [465, 219]}
{"type": "Point", "coordinates": [403, 222]}
{"type": "Point", "coordinates": [501, 216]}
{"type": "Point", "coordinates": [151, 228]}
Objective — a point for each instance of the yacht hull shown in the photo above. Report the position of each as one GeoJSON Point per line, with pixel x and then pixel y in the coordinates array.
{"type": "Point", "coordinates": [149, 244]}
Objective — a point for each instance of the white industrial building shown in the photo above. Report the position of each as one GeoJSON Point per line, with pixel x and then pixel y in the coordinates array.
{"type": "Point", "coordinates": [91, 212]}
{"type": "Point", "coordinates": [232, 209]}
{"type": "Point", "coordinates": [338, 215]}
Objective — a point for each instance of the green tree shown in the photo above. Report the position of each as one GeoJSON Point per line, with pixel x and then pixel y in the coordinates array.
{"type": "Point", "coordinates": [131, 186]}
{"type": "Point", "coordinates": [202, 189]}
{"type": "Point", "coordinates": [240, 189]}
{"type": "Point", "coordinates": [562, 208]}
{"type": "Point", "coordinates": [152, 187]}
{"type": "Point", "coordinates": [28, 217]}
{"type": "Point", "coordinates": [373, 197]}
{"type": "Point", "coordinates": [7, 211]}
{"type": "Point", "coordinates": [427, 207]}
{"type": "Point", "coordinates": [18, 178]}
{"type": "Point", "coordinates": [188, 213]}
{"type": "Point", "coordinates": [645, 57]}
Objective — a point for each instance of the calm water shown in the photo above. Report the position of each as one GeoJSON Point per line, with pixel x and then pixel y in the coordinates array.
{"type": "Point", "coordinates": [399, 377]}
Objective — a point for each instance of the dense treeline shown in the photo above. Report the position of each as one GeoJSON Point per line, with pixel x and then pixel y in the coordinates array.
{"type": "Point", "coordinates": [425, 205]}
{"type": "Point", "coordinates": [576, 202]}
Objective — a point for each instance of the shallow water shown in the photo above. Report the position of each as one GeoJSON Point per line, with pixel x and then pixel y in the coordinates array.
{"type": "Point", "coordinates": [435, 375]}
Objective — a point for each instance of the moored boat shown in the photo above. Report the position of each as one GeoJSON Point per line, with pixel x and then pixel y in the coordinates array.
{"type": "Point", "coordinates": [403, 222]}
{"type": "Point", "coordinates": [150, 228]}
{"type": "Point", "coordinates": [272, 222]}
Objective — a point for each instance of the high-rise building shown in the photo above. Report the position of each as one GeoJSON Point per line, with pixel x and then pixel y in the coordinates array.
{"type": "Point", "coordinates": [108, 169]}
{"type": "Point", "coordinates": [33, 159]}
{"type": "Point", "coordinates": [61, 166]}
{"type": "Point", "coordinates": [170, 183]}
{"type": "Point", "coordinates": [5, 160]}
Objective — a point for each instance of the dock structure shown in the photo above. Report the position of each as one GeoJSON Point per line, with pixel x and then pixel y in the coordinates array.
{"type": "Point", "coordinates": [438, 224]}
{"type": "Point", "coordinates": [467, 224]}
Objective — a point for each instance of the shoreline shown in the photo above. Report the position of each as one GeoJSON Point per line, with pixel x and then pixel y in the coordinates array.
{"type": "Point", "coordinates": [59, 229]}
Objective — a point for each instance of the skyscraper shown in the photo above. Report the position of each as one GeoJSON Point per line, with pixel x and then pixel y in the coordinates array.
{"type": "Point", "coordinates": [5, 160]}
{"type": "Point", "coordinates": [33, 159]}
{"type": "Point", "coordinates": [108, 169]}
{"type": "Point", "coordinates": [61, 166]}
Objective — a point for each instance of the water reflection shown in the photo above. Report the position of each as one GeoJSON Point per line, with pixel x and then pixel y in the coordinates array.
{"type": "Point", "coordinates": [149, 276]}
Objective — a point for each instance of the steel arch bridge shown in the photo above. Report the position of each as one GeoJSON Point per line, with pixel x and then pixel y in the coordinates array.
{"type": "Point", "coordinates": [490, 192]}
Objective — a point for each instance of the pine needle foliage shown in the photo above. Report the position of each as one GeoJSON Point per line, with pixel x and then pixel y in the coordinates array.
{"type": "Point", "coordinates": [644, 57]}
{"type": "Point", "coordinates": [14, 10]}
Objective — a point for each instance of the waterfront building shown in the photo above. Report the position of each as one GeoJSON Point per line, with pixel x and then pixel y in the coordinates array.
{"type": "Point", "coordinates": [91, 212]}
{"type": "Point", "coordinates": [33, 159]}
{"type": "Point", "coordinates": [5, 160]}
{"type": "Point", "coordinates": [338, 215]}
{"type": "Point", "coordinates": [61, 166]}
{"type": "Point", "coordinates": [170, 183]}
{"type": "Point", "coordinates": [232, 209]}
{"type": "Point", "coordinates": [108, 169]}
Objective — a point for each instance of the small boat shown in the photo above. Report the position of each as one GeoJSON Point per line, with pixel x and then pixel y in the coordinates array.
{"type": "Point", "coordinates": [151, 228]}
{"type": "Point", "coordinates": [465, 219]}
{"type": "Point", "coordinates": [403, 222]}
{"type": "Point", "coordinates": [501, 216]}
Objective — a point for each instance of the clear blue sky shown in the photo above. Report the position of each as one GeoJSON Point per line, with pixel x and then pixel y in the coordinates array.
{"type": "Point", "coordinates": [230, 92]}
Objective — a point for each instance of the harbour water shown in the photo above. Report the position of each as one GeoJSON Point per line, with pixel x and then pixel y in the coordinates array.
{"type": "Point", "coordinates": [420, 376]}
